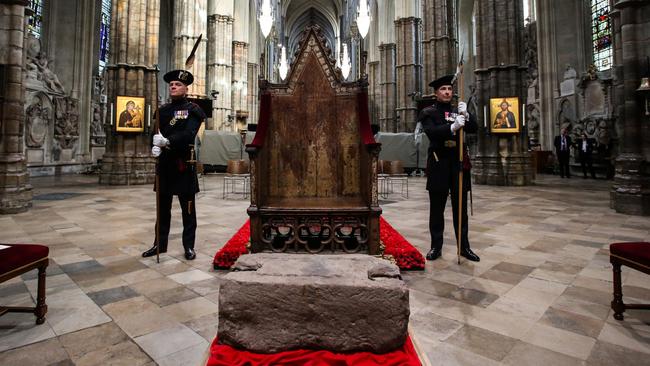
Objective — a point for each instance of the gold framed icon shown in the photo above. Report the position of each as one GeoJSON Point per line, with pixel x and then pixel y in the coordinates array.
{"type": "Point", "coordinates": [130, 114]}
{"type": "Point", "coordinates": [505, 115]}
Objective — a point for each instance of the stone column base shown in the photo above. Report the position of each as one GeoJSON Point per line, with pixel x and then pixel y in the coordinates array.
{"type": "Point", "coordinates": [503, 171]}
{"type": "Point", "coordinates": [630, 192]}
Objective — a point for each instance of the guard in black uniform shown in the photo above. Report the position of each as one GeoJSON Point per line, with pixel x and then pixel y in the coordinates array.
{"type": "Point", "coordinates": [179, 123]}
{"type": "Point", "coordinates": [440, 122]}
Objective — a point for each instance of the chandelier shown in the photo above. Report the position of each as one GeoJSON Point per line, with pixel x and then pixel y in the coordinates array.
{"type": "Point", "coordinates": [283, 67]}
{"type": "Point", "coordinates": [345, 62]}
{"type": "Point", "coordinates": [266, 18]}
{"type": "Point", "coordinates": [363, 18]}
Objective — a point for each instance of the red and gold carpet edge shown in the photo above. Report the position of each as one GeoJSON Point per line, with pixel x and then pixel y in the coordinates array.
{"type": "Point", "coordinates": [406, 256]}
{"type": "Point", "coordinates": [223, 355]}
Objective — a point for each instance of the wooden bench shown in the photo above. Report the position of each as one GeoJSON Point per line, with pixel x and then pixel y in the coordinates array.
{"type": "Point", "coordinates": [16, 259]}
{"type": "Point", "coordinates": [633, 255]}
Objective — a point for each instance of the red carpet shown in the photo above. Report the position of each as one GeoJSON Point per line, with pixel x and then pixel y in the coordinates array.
{"type": "Point", "coordinates": [222, 355]}
{"type": "Point", "coordinates": [406, 255]}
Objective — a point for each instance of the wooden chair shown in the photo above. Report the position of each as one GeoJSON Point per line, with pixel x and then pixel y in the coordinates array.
{"type": "Point", "coordinates": [314, 160]}
{"type": "Point", "coordinates": [633, 255]}
{"type": "Point", "coordinates": [16, 259]}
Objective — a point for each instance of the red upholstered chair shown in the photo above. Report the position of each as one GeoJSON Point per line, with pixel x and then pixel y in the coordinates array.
{"type": "Point", "coordinates": [633, 255]}
{"type": "Point", "coordinates": [18, 259]}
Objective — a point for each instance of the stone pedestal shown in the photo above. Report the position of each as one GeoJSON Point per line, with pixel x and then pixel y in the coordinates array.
{"type": "Point", "coordinates": [341, 303]}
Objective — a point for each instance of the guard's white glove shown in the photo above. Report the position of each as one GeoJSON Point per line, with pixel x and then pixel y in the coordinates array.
{"type": "Point", "coordinates": [160, 140]}
{"type": "Point", "coordinates": [462, 108]}
{"type": "Point", "coordinates": [458, 124]}
{"type": "Point", "coordinates": [155, 151]}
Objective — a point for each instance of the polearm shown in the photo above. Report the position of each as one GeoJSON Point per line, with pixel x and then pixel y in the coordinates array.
{"type": "Point", "coordinates": [459, 76]}
{"type": "Point", "coordinates": [157, 181]}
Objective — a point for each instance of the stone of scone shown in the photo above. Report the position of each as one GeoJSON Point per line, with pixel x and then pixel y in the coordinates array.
{"type": "Point", "coordinates": [280, 302]}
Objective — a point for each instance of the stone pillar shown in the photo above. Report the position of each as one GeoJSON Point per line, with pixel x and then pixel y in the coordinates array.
{"type": "Point", "coordinates": [15, 190]}
{"type": "Point", "coordinates": [409, 71]}
{"type": "Point", "coordinates": [439, 40]}
{"type": "Point", "coordinates": [251, 95]}
{"type": "Point", "coordinates": [374, 92]}
{"type": "Point", "coordinates": [220, 70]}
{"type": "Point", "coordinates": [240, 84]}
{"type": "Point", "coordinates": [131, 72]}
{"type": "Point", "coordinates": [388, 87]}
{"type": "Point", "coordinates": [631, 189]}
{"type": "Point", "coordinates": [502, 159]}
{"type": "Point", "coordinates": [190, 20]}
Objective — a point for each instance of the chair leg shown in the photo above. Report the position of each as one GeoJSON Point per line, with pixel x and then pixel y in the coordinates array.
{"type": "Point", "coordinates": [41, 307]}
{"type": "Point", "coordinates": [617, 304]}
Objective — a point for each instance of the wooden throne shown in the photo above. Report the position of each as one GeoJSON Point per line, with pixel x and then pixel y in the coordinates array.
{"type": "Point", "coordinates": [313, 160]}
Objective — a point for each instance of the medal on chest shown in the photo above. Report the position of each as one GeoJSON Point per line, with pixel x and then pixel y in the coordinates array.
{"type": "Point", "coordinates": [450, 117]}
{"type": "Point", "coordinates": [178, 116]}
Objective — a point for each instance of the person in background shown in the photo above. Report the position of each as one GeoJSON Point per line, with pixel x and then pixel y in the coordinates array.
{"type": "Point", "coordinates": [562, 145]}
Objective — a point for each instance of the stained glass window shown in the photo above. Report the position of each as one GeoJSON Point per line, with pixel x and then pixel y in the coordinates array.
{"type": "Point", "coordinates": [104, 32]}
{"type": "Point", "coordinates": [35, 20]}
{"type": "Point", "coordinates": [601, 34]}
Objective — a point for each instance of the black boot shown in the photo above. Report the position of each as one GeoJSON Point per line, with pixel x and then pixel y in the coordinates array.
{"type": "Point", "coordinates": [467, 253]}
{"type": "Point", "coordinates": [152, 251]}
{"type": "Point", "coordinates": [190, 254]}
{"type": "Point", "coordinates": [434, 254]}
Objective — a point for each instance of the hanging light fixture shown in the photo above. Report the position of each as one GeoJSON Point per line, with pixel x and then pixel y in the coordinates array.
{"type": "Point", "coordinates": [284, 66]}
{"type": "Point", "coordinates": [266, 18]}
{"type": "Point", "coordinates": [345, 62]}
{"type": "Point", "coordinates": [363, 18]}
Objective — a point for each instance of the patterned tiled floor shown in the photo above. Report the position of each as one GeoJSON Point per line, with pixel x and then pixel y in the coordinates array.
{"type": "Point", "coordinates": [539, 296]}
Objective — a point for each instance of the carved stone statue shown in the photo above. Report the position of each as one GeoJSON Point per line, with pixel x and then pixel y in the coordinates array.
{"type": "Point", "coordinates": [36, 123]}
{"type": "Point", "coordinates": [39, 67]}
{"type": "Point", "coordinates": [66, 124]}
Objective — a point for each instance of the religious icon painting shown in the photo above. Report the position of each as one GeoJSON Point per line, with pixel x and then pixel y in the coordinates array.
{"type": "Point", "coordinates": [130, 114]}
{"type": "Point", "coordinates": [504, 115]}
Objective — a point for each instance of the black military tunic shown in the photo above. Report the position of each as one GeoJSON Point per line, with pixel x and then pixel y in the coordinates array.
{"type": "Point", "coordinates": [180, 121]}
{"type": "Point", "coordinates": [443, 166]}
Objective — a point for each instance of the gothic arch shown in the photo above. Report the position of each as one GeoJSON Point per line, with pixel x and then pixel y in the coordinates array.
{"type": "Point", "coordinates": [300, 13]}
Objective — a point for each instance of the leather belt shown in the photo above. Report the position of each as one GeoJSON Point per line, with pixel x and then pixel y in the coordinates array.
{"type": "Point", "coordinates": [450, 143]}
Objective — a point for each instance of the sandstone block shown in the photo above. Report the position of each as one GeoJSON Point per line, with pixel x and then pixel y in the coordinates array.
{"type": "Point", "coordinates": [278, 302]}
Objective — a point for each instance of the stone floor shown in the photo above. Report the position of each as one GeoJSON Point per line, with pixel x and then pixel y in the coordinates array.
{"type": "Point", "coordinates": [539, 296]}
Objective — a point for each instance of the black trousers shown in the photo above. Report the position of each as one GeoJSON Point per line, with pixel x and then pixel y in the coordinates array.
{"type": "Point", "coordinates": [437, 203]}
{"type": "Point", "coordinates": [587, 161]}
{"type": "Point", "coordinates": [563, 160]}
{"type": "Point", "coordinates": [188, 209]}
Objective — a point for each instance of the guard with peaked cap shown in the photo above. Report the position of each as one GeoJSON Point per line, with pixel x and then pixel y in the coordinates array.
{"type": "Point", "coordinates": [441, 122]}
{"type": "Point", "coordinates": [173, 144]}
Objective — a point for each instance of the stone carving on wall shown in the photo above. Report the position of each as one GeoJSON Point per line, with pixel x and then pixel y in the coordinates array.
{"type": "Point", "coordinates": [595, 118]}
{"type": "Point", "coordinates": [39, 68]}
{"type": "Point", "coordinates": [66, 126]}
{"type": "Point", "coordinates": [530, 46]}
{"type": "Point", "coordinates": [38, 116]}
{"type": "Point", "coordinates": [532, 82]}
{"type": "Point", "coordinates": [97, 133]}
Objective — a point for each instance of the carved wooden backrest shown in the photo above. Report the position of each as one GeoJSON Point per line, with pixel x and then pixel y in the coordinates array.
{"type": "Point", "coordinates": [313, 152]}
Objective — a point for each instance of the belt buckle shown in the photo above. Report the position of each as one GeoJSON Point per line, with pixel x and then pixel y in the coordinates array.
{"type": "Point", "coordinates": [450, 143]}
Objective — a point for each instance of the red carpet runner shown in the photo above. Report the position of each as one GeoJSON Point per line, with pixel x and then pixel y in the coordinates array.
{"type": "Point", "coordinates": [222, 355]}
{"type": "Point", "coordinates": [407, 257]}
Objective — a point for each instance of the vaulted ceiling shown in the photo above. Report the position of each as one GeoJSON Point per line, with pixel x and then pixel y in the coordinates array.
{"type": "Point", "coordinates": [299, 14]}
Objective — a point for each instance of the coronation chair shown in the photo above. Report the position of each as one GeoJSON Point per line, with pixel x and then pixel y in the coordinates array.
{"type": "Point", "coordinates": [633, 255]}
{"type": "Point", "coordinates": [16, 259]}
